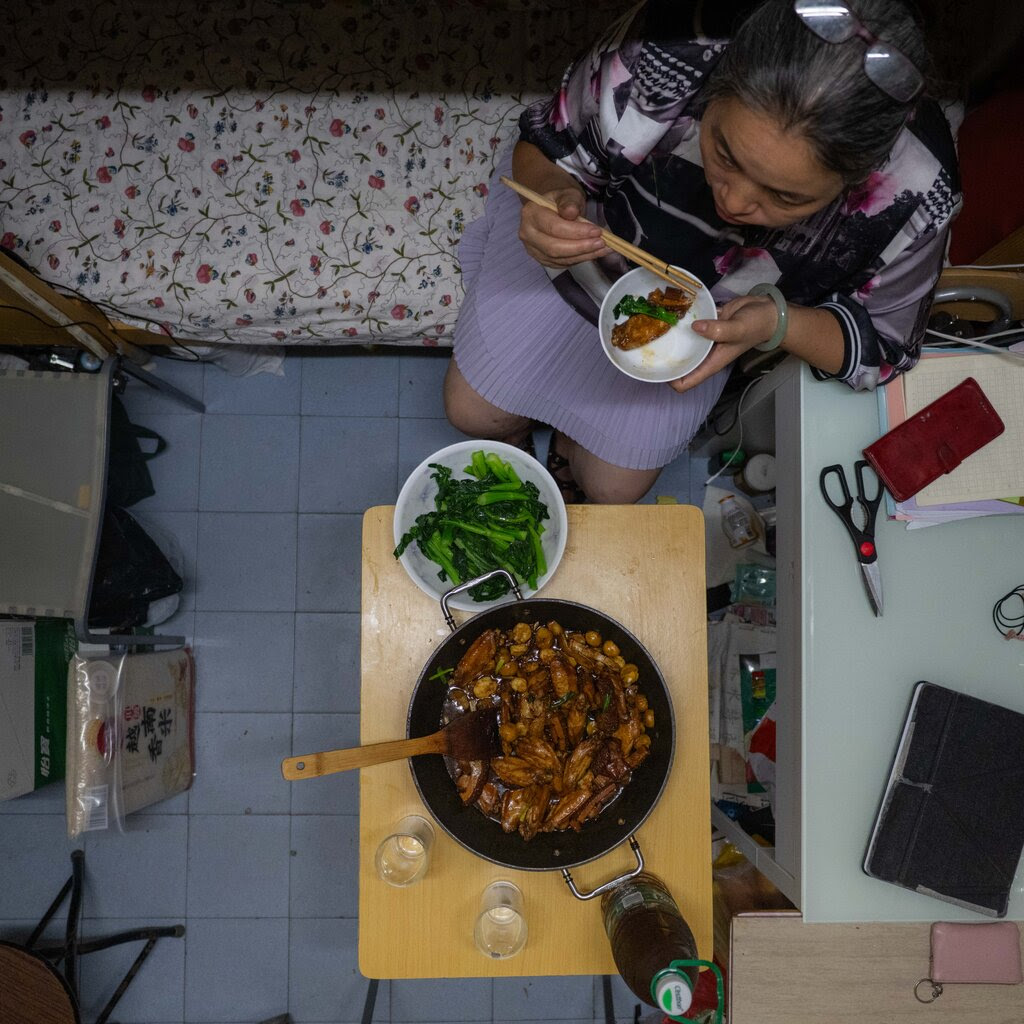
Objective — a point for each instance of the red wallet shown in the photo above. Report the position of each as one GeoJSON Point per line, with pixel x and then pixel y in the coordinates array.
{"type": "Point", "coordinates": [935, 440]}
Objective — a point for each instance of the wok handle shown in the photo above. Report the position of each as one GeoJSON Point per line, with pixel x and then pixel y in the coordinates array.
{"type": "Point", "coordinates": [327, 762]}
{"type": "Point", "coordinates": [468, 585]}
{"type": "Point", "coordinates": [635, 846]}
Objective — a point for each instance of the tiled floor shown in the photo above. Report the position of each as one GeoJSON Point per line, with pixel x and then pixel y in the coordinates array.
{"type": "Point", "coordinates": [263, 495]}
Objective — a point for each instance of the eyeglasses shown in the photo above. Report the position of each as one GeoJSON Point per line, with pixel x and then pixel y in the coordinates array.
{"type": "Point", "coordinates": [885, 65]}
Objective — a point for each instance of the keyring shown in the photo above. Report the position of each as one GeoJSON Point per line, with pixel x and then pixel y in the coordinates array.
{"type": "Point", "coordinates": [936, 990]}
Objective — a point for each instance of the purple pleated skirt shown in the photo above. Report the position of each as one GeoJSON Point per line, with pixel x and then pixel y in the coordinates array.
{"type": "Point", "coordinates": [522, 347]}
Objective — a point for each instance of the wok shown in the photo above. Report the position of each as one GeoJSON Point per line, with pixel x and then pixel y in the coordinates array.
{"type": "Point", "coordinates": [547, 850]}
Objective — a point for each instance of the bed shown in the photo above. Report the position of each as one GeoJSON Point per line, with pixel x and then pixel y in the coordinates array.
{"type": "Point", "coordinates": [265, 172]}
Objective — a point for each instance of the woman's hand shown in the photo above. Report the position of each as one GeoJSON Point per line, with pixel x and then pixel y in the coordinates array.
{"type": "Point", "coordinates": [741, 324]}
{"type": "Point", "coordinates": [560, 239]}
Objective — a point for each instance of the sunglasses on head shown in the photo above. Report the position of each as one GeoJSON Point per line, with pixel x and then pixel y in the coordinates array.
{"type": "Point", "coordinates": [885, 65]}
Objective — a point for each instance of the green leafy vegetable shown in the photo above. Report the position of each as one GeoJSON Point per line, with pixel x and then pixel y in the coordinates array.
{"type": "Point", "coordinates": [631, 305]}
{"type": "Point", "coordinates": [493, 520]}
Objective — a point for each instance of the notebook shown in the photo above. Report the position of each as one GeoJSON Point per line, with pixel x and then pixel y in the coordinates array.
{"type": "Point", "coordinates": [951, 822]}
{"type": "Point", "coordinates": [996, 471]}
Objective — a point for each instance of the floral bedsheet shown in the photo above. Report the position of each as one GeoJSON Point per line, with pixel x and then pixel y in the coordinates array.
{"type": "Point", "coordinates": [265, 171]}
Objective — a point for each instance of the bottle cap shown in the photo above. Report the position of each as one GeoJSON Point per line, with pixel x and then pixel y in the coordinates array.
{"type": "Point", "coordinates": [732, 458]}
{"type": "Point", "coordinates": [672, 992]}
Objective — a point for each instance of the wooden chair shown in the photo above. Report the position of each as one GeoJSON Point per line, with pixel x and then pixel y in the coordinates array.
{"type": "Point", "coordinates": [32, 988]}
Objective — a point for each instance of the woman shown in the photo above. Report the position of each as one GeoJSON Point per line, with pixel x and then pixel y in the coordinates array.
{"type": "Point", "coordinates": [801, 154]}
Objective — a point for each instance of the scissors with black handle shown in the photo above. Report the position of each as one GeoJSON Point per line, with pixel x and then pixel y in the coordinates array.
{"type": "Point", "coordinates": [863, 536]}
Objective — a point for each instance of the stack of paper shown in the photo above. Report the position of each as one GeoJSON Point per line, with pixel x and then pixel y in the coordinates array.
{"type": "Point", "coordinates": [989, 482]}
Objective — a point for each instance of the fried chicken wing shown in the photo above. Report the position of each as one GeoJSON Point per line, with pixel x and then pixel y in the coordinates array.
{"type": "Point", "coordinates": [516, 772]}
{"type": "Point", "coordinates": [539, 754]}
{"type": "Point", "coordinates": [472, 781]}
{"type": "Point", "coordinates": [562, 680]}
{"type": "Point", "coordinates": [672, 298]}
{"type": "Point", "coordinates": [513, 807]}
{"type": "Point", "coordinates": [478, 660]}
{"type": "Point", "coordinates": [576, 722]}
{"type": "Point", "coordinates": [579, 762]}
{"type": "Point", "coordinates": [637, 330]}
{"type": "Point", "coordinates": [537, 800]}
{"type": "Point", "coordinates": [563, 811]}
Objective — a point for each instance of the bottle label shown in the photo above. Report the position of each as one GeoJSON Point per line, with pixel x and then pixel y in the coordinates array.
{"type": "Point", "coordinates": [632, 899]}
{"type": "Point", "coordinates": [635, 893]}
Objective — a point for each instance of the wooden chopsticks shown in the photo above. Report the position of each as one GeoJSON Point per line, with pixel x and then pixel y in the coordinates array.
{"type": "Point", "coordinates": [633, 253]}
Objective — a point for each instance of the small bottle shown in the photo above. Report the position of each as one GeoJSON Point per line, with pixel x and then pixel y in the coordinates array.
{"type": "Point", "coordinates": [736, 522]}
{"type": "Point", "coordinates": [758, 475]}
{"type": "Point", "coordinates": [649, 938]}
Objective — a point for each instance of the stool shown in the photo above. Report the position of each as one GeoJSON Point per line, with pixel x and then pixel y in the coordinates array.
{"type": "Point", "coordinates": [34, 991]}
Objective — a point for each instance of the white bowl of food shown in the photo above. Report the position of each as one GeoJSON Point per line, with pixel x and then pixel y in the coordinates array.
{"type": "Point", "coordinates": [673, 353]}
{"type": "Point", "coordinates": [513, 522]}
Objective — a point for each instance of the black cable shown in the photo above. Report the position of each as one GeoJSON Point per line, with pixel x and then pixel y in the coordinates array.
{"type": "Point", "coordinates": [1009, 626]}
{"type": "Point", "coordinates": [196, 357]}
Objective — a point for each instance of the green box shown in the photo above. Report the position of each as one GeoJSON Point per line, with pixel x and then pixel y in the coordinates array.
{"type": "Point", "coordinates": [34, 657]}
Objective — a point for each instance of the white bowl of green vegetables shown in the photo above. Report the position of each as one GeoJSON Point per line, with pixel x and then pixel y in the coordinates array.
{"type": "Point", "coordinates": [477, 506]}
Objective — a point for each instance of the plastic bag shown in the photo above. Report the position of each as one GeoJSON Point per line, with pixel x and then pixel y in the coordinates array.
{"type": "Point", "coordinates": [237, 360]}
{"type": "Point", "coordinates": [131, 735]}
{"type": "Point", "coordinates": [93, 788]}
{"type": "Point", "coordinates": [757, 695]}
{"type": "Point", "coordinates": [754, 584]}
{"type": "Point", "coordinates": [131, 572]}
{"type": "Point", "coordinates": [128, 477]}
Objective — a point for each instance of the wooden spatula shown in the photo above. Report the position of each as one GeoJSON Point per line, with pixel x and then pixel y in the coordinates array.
{"type": "Point", "coordinates": [469, 737]}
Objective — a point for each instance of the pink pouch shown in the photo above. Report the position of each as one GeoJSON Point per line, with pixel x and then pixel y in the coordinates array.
{"type": "Point", "coordinates": [975, 953]}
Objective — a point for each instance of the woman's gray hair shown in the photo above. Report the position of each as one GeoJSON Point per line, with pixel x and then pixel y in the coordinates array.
{"type": "Point", "coordinates": [776, 65]}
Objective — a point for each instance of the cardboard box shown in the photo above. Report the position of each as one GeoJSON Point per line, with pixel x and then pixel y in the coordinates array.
{"type": "Point", "coordinates": [34, 657]}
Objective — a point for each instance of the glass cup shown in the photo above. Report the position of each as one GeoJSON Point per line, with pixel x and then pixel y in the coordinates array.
{"type": "Point", "coordinates": [403, 857]}
{"type": "Point", "coordinates": [500, 930]}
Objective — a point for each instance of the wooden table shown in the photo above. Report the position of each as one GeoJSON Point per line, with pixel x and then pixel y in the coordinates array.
{"type": "Point", "coordinates": [641, 564]}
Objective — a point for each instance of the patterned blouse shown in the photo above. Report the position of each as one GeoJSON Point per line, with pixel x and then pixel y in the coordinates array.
{"type": "Point", "coordinates": [626, 123]}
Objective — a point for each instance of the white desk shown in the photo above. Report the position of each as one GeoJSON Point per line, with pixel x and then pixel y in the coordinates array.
{"type": "Point", "coordinates": [844, 676]}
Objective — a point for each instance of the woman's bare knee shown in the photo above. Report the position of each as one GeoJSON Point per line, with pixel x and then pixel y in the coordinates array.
{"type": "Point", "coordinates": [607, 484]}
{"type": "Point", "coordinates": [473, 415]}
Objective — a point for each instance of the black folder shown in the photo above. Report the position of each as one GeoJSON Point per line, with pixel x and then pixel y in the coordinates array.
{"type": "Point", "coordinates": [951, 823]}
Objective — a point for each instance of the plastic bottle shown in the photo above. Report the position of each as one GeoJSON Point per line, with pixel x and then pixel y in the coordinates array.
{"type": "Point", "coordinates": [736, 522]}
{"type": "Point", "coordinates": [649, 938]}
